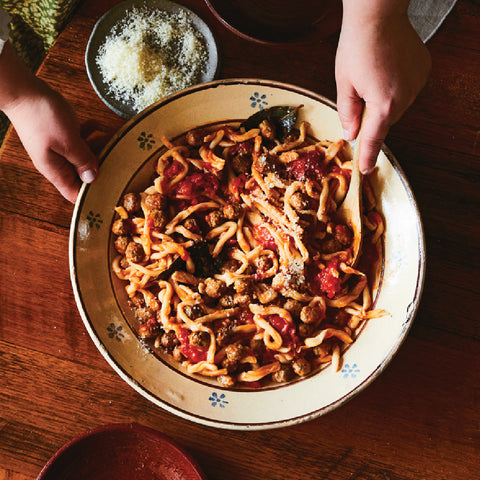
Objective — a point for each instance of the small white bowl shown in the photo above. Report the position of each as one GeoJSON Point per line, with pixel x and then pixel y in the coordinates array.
{"type": "Point", "coordinates": [127, 164]}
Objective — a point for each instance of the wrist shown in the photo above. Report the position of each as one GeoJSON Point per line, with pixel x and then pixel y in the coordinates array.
{"type": "Point", "coordinates": [17, 82]}
{"type": "Point", "coordinates": [362, 11]}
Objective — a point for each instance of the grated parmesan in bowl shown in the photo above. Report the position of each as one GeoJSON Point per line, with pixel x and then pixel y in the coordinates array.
{"type": "Point", "coordinates": [140, 52]}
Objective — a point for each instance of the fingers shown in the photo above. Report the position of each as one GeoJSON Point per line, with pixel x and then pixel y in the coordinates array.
{"type": "Point", "coordinates": [374, 130]}
{"type": "Point", "coordinates": [82, 159]}
{"type": "Point", "coordinates": [349, 106]}
{"type": "Point", "coordinates": [60, 173]}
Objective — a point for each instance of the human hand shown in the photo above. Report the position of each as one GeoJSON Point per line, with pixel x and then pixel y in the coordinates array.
{"type": "Point", "coordinates": [383, 64]}
{"type": "Point", "coordinates": [49, 130]}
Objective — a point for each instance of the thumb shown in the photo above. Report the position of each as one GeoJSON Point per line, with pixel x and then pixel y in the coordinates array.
{"type": "Point", "coordinates": [349, 106]}
{"type": "Point", "coordinates": [82, 159]}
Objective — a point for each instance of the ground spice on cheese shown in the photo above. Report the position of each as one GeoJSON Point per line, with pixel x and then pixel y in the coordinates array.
{"type": "Point", "coordinates": [151, 54]}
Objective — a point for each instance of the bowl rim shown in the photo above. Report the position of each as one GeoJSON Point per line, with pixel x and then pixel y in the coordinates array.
{"type": "Point", "coordinates": [232, 425]}
{"type": "Point", "coordinates": [124, 110]}
{"type": "Point", "coordinates": [119, 428]}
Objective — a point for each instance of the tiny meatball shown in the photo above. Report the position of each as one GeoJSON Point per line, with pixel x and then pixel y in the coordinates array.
{"type": "Point", "coordinates": [243, 285]}
{"type": "Point", "coordinates": [265, 293]}
{"type": "Point", "coordinates": [215, 218]}
{"type": "Point", "coordinates": [121, 243]}
{"type": "Point", "coordinates": [235, 352]}
{"type": "Point", "coordinates": [212, 287]}
{"type": "Point", "coordinates": [241, 299]}
{"type": "Point", "coordinates": [297, 282]}
{"type": "Point", "coordinates": [263, 262]}
{"type": "Point", "coordinates": [132, 202]}
{"type": "Point", "coordinates": [155, 201]}
{"type": "Point", "coordinates": [241, 163]}
{"type": "Point", "coordinates": [300, 201]}
{"type": "Point", "coordinates": [267, 130]}
{"type": "Point", "coordinates": [330, 245]}
{"type": "Point", "coordinates": [169, 340]}
{"type": "Point", "coordinates": [192, 225]}
{"type": "Point", "coordinates": [134, 252]}
{"type": "Point", "coordinates": [138, 300]}
{"type": "Point", "coordinates": [301, 367]}
{"type": "Point", "coordinates": [226, 380]}
{"type": "Point", "coordinates": [200, 339]}
{"type": "Point", "coordinates": [195, 137]}
{"type": "Point", "coordinates": [121, 226]}
{"type": "Point", "coordinates": [305, 330]}
{"type": "Point", "coordinates": [144, 314]}
{"type": "Point", "coordinates": [293, 306]}
{"type": "Point", "coordinates": [343, 235]}
{"type": "Point", "coordinates": [124, 263]}
{"type": "Point", "coordinates": [158, 218]}
{"type": "Point", "coordinates": [285, 374]}
{"type": "Point", "coordinates": [194, 311]}
{"type": "Point", "coordinates": [150, 329]}
{"type": "Point", "coordinates": [230, 265]}
{"type": "Point", "coordinates": [223, 332]}
{"type": "Point", "coordinates": [232, 211]}
{"type": "Point", "coordinates": [229, 365]}
{"type": "Point", "coordinates": [267, 163]}
{"type": "Point", "coordinates": [226, 301]}
{"type": "Point", "coordinates": [311, 314]}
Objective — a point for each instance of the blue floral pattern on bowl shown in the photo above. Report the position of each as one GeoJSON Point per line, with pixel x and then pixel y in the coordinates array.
{"type": "Point", "coordinates": [258, 101]}
{"type": "Point", "coordinates": [350, 371]}
{"type": "Point", "coordinates": [115, 332]}
{"type": "Point", "coordinates": [216, 399]}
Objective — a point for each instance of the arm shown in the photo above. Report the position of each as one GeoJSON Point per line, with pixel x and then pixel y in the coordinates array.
{"type": "Point", "coordinates": [46, 125]}
{"type": "Point", "coordinates": [381, 62]}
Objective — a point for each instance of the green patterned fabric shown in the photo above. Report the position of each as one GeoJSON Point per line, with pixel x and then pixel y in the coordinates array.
{"type": "Point", "coordinates": [34, 27]}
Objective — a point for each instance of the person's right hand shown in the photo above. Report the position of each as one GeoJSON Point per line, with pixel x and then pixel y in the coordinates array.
{"type": "Point", "coordinates": [381, 64]}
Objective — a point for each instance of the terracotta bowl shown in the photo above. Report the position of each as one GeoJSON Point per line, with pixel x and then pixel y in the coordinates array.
{"type": "Point", "coordinates": [121, 451]}
{"type": "Point", "coordinates": [278, 21]}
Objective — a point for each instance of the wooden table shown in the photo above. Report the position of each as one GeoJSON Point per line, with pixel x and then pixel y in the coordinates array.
{"type": "Point", "coordinates": [419, 420]}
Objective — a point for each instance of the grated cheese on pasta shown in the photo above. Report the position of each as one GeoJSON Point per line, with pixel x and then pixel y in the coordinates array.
{"type": "Point", "coordinates": [151, 54]}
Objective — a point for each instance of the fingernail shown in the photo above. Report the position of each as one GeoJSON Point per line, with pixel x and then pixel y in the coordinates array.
{"type": "Point", "coordinates": [346, 135]}
{"type": "Point", "coordinates": [88, 176]}
{"type": "Point", "coordinates": [366, 171]}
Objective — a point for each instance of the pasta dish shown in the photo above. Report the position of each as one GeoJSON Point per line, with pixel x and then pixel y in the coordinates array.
{"type": "Point", "coordinates": [233, 260]}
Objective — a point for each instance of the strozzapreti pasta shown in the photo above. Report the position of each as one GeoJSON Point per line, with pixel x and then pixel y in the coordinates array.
{"type": "Point", "coordinates": [233, 260]}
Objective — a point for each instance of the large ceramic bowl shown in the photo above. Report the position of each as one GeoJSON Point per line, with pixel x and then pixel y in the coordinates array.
{"type": "Point", "coordinates": [127, 164]}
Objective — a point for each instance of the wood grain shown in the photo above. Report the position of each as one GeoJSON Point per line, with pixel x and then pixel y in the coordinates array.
{"type": "Point", "coordinates": [419, 420]}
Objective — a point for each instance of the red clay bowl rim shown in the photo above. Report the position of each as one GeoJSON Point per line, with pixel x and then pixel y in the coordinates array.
{"type": "Point", "coordinates": [118, 427]}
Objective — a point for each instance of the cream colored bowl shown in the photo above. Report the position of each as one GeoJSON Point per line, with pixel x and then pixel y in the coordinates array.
{"type": "Point", "coordinates": [127, 164]}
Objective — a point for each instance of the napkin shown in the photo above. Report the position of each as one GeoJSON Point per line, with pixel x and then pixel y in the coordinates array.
{"type": "Point", "coordinates": [427, 15]}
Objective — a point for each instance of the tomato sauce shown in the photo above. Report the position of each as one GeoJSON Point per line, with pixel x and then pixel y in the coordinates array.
{"type": "Point", "coordinates": [198, 184]}
{"type": "Point", "coordinates": [328, 279]}
{"type": "Point", "coordinates": [307, 166]}
{"type": "Point", "coordinates": [287, 330]}
{"type": "Point", "coordinates": [264, 237]}
{"type": "Point", "coordinates": [193, 353]}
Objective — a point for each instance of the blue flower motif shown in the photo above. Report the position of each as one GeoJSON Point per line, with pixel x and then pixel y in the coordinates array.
{"type": "Point", "coordinates": [216, 399]}
{"type": "Point", "coordinates": [94, 219]}
{"type": "Point", "coordinates": [115, 332]}
{"type": "Point", "coordinates": [145, 141]}
{"type": "Point", "coordinates": [258, 101]}
{"type": "Point", "coordinates": [350, 371]}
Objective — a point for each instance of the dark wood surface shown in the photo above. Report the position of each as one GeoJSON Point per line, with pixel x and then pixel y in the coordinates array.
{"type": "Point", "coordinates": [419, 420]}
